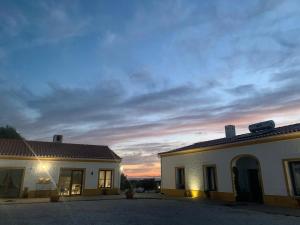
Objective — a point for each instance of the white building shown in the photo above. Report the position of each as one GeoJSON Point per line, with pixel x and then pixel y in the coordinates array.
{"type": "Point", "coordinates": [38, 169]}
{"type": "Point", "coordinates": [260, 166]}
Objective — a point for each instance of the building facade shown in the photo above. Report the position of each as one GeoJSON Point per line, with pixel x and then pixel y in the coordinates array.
{"type": "Point", "coordinates": [39, 169]}
{"type": "Point", "coordinates": [262, 166]}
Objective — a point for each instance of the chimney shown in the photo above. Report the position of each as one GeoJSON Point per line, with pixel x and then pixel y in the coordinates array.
{"type": "Point", "coordinates": [230, 131]}
{"type": "Point", "coordinates": [57, 138]}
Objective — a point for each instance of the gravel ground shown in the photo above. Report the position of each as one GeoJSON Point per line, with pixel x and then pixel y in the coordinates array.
{"type": "Point", "coordinates": [136, 212]}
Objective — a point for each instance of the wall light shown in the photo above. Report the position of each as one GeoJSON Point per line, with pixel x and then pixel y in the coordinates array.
{"type": "Point", "coordinates": [43, 167]}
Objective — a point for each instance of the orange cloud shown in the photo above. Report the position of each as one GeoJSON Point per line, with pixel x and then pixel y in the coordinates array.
{"type": "Point", "coordinates": [142, 170]}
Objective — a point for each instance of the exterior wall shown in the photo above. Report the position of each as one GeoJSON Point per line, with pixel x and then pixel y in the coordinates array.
{"type": "Point", "coordinates": [270, 155]}
{"type": "Point", "coordinates": [35, 169]}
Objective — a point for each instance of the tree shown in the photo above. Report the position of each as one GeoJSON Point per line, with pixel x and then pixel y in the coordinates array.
{"type": "Point", "coordinates": [125, 184]}
{"type": "Point", "coordinates": [9, 132]}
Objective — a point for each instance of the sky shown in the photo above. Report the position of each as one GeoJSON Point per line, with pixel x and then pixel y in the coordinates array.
{"type": "Point", "coordinates": [147, 76]}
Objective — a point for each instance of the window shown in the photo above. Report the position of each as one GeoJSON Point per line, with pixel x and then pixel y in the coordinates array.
{"type": "Point", "coordinates": [210, 178]}
{"type": "Point", "coordinates": [10, 182]}
{"type": "Point", "coordinates": [70, 182]}
{"type": "Point", "coordinates": [105, 179]}
{"type": "Point", "coordinates": [295, 176]}
{"type": "Point", "coordinates": [180, 178]}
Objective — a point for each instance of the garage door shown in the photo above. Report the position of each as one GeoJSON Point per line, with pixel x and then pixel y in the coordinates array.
{"type": "Point", "coordinates": [10, 182]}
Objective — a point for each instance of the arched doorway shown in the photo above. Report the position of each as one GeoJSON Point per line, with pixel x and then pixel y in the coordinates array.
{"type": "Point", "coordinates": [246, 177]}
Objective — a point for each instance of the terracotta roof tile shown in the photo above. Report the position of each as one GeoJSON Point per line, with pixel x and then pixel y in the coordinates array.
{"type": "Point", "coordinates": [13, 147]}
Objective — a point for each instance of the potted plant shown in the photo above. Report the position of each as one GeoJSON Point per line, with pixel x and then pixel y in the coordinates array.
{"type": "Point", "coordinates": [129, 193]}
{"type": "Point", "coordinates": [54, 196]}
{"type": "Point", "coordinates": [104, 191]}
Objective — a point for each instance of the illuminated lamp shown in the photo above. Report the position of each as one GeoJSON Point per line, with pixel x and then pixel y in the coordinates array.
{"type": "Point", "coordinates": [43, 167]}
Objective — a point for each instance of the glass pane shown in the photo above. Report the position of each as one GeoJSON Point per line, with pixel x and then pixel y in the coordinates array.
{"type": "Point", "coordinates": [108, 179]}
{"type": "Point", "coordinates": [108, 174]}
{"type": "Point", "coordinates": [65, 182]}
{"type": "Point", "coordinates": [102, 175]}
{"type": "Point", "coordinates": [76, 182]}
{"type": "Point", "coordinates": [295, 167]}
{"type": "Point", "coordinates": [101, 183]}
{"type": "Point", "coordinates": [108, 183]}
{"type": "Point", "coordinates": [10, 182]}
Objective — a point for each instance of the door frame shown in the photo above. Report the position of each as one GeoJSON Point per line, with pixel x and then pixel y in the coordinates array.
{"type": "Point", "coordinates": [82, 180]}
{"type": "Point", "coordinates": [23, 177]}
{"type": "Point", "coordinates": [234, 160]}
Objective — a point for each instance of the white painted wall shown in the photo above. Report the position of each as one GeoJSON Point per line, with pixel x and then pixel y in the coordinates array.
{"type": "Point", "coordinates": [34, 171]}
{"type": "Point", "coordinates": [270, 156]}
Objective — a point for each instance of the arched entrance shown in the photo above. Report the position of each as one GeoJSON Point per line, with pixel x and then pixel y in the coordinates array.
{"type": "Point", "coordinates": [246, 178]}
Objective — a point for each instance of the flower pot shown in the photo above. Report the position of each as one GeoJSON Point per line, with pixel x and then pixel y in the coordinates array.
{"type": "Point", "coordinates": [129, 195]}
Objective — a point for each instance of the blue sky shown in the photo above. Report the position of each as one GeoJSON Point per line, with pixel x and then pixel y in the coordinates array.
{"type": "Point", "coordinates": [147, 76]}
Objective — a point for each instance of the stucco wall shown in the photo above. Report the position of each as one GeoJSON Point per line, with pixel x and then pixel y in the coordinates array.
{"type": "Point", "coordinates": [270, 156]}
{"type": "Point", "coordinates": [35, 169]}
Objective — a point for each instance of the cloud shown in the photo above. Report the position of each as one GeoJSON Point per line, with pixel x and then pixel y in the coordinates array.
{"type": "Point", "coordinates": [246, 89]}
{"type": "Point", "coordinates": [62, 22]}
{"type": "Point", "coordinates": [13, 21]}
{"type": "Point", "coordinates": [289, 75]}
{"type": "Point", "coordinates": [108, 114]}
{"type": "Point", "coordinates": [50, 23]}
{"type": "Point", "coordinates": [107, 108]}
{"type": "Point", "coordinates": [141, 159]}
{"type": "Point", "coordinates": [143, 78]}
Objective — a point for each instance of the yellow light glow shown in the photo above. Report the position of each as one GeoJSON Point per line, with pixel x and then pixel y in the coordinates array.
{"type": "Point", "coordinates": [121, 169]}
{"type": "Point", "coordinates": [43, 167]}
{"type": "Point", "coordinates": [196, 193]}
{"type": "Point", "coordinates": [194, 183]}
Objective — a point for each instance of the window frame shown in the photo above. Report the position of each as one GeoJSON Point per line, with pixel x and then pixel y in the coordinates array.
{"type": "Point", "coordinates": [292, 178]}
{"type": "Point", "coordinates": [288, 178]}
{"type": "Point", "coordinates": [205, 177]}
{"type": "Point", "coordinates": [72, 169]}
{"type": "Point", "coordinates": [112, 178]}
{"type": "Point", "coordinates": [176, 183]}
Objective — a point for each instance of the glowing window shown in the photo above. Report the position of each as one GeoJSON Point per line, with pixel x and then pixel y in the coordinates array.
{"type": "Point", "coordinates": [105, 179]}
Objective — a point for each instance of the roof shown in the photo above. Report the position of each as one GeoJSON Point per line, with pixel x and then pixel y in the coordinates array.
{"type": "Point", "coordinates": [18, 148]}
{"type": "Point", "coordinates": [241, 138]}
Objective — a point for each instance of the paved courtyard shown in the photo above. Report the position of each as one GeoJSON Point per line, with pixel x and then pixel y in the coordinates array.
{"type": "Point", "coordinates": [136, 212]}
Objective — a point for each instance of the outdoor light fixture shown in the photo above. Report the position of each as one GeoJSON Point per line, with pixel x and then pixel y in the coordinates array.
{"type": "Point", "coordinates": [43, 167]}
{"type": "Point", "coordinates": [121, 169]}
